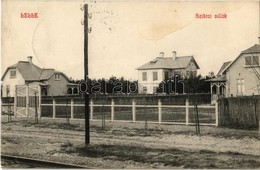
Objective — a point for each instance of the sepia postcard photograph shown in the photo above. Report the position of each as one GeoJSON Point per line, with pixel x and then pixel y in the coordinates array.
{"type": "Point", "coordinates": [127, 84]}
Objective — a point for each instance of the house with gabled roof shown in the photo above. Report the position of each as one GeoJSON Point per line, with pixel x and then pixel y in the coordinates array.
{"type": "Point", "coordinates": [152, 73]}
{"type": "Point", "coordinates": [50, 81]}
{"type": "Point", "coordinates": [240, 77]}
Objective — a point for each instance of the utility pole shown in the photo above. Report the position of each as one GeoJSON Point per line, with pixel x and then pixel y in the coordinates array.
{"type": "Point", "coordinates": [86, 94]}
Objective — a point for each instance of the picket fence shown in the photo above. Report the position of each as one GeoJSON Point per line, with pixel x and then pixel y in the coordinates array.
{"type": "Point", "coordinates": [133, 108]}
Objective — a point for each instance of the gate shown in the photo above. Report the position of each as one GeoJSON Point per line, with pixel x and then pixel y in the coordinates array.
{"type": "Point", "coordinates": [26, 97]}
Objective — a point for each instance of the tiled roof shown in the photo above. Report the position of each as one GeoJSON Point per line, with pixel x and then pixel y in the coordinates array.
{"type": "Point", "coordinates": [31, 72]}
{"type": "Point", "coordinates": [47, 73]}
{"type": "Point", "coordinates": [224, 66]}
{"type": "Point", "coordinates": [253, 49]}
{"type": "Point", "coordinates": [168, 63]}
{"type": "Point", "coordinates": [28, 71]}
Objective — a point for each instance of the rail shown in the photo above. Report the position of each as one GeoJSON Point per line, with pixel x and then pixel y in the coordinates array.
{"type": "Point", "coordinates": [40, 163]}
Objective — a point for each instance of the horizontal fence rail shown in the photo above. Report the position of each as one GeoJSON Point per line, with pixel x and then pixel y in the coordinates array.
{"type": "Point", "coordinates": [159, 113]}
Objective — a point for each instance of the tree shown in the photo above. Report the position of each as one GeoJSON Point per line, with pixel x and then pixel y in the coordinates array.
{"type": "Point", "coordinates": [211, 75]}
{"type": "Point", "coordinates": [193, 84]}
{"type": "Point", "coordinates": [113, 85]}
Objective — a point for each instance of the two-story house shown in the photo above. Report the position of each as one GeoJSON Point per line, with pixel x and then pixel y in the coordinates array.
{"type": "Point", "coordinates": [240, 77]}
{"type": "Point", "coordinates": [151, 74]}
{"type": "Point", "coordinates": [50, 81]}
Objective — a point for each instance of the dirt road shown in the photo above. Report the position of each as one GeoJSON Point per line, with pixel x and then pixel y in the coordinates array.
{"type": "Point", "coordinates": [129, 145]}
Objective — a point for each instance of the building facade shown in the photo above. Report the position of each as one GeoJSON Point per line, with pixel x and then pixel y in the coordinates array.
{"type": "Point", "coordinates": [240, 77]}
{"type": "Point", "coordinates": [24, 73]}
{"type": "Point", "coordinates": [151, 74]}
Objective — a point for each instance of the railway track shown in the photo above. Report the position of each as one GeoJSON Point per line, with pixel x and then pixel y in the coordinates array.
{"type": "Point", "coordinates": [36, 163]}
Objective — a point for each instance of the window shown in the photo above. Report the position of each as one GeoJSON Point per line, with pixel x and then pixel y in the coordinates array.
{"type": "Point", "coordinates": [72, 91]}
{"type": "Point", "coordinates": [251, 61]}
{"type": "Point", "coordinates": [248, 61]}
{"type": "Point", "coordinates": [255, 60]}
{"type": "Point", "coordinates": [44, 91]}
{"type": "Point", "coordinates": [187, 74]}
{"type": "Point", "coordinates": [144, 89]}
{"type": "Point", "coordinates": [75, 90]}
{"type": "Point", "coordinates": [57, 76]}
{"type": "Point", "coordinates": [193, 73]}
{"type": "Point", "coordinates": [12, 73]}
{"type": "Point", "coordinates": [155, 76]}
{"type": "Point", "coordinates": [69, 91]}
{"type": "Point", "coordinates": [240, 86]}
{"type": "Point", "coordinates": [144, 76]}
{"type": "Point", "coordinates": [166, 75]}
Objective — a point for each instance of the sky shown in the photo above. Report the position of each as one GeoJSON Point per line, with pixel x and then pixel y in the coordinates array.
{"type": "Point", "coordinates": [124, 35]}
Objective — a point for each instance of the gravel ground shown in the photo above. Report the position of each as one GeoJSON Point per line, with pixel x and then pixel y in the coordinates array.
{"type": "Point", "coordinates": [130, 145]}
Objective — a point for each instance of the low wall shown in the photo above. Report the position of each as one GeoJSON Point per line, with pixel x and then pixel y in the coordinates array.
{"type": "Point", "coordinates": [140, 99]}
{"type": "Point", "coordinates": [239, 112]}
{"type": "Point", "coordinates": [7, 99]}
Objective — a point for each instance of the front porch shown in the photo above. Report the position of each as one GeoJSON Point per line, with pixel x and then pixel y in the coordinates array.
{"type": "Point", "coordinates": [217, 88]}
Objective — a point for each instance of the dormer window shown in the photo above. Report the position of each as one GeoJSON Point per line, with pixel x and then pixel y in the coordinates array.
{"type": "Point", "coordinates": [12, 73]}
{"type": "Point", "coordinates": [251, 61]}
{"type": "Point", "coordinates": [57, 76]}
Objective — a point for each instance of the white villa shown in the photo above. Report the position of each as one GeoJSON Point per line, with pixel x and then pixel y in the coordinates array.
{"type": "Point", "coordinates": [151, 74]}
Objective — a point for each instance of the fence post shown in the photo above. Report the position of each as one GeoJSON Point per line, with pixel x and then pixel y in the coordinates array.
{"type": "Point", "coordinates": [159, 111]}
{"type": "Point", "coordinates": [91, 109]}
{"type": "Point", "coordinates": [71, 109]}
{"type": "Point", "coordinates": [27, 100]}
{"type": "Point", "coordinates": [187, 111]}
{"type": "Point", "coordinates": [112, 110]}
{"type": "Point", "coordinates": [40, 102]}
{"type": "Point", "coordinates": [54, 108]}
{"type": "Point", "coordinates": [216, 112]}
{"type": "Point", "coordinates": [15, 101]}
{"type": "Point", "coordinates": [133, 110]}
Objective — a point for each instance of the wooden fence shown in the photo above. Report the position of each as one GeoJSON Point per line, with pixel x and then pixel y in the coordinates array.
{"type": "Point", "coordinates": [240, 112]}
{"type": "Point", "coordinates": [7, 105]}
{"type": "Point", "coordinates": [155, 113]}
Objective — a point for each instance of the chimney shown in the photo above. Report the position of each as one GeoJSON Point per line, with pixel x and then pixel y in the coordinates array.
{"type": "Point", "coordinates": [161, 54]}
{"type": "Point", "coordinates": [174, 55]}
{"type": "Point", "coordinates": [30, 59]}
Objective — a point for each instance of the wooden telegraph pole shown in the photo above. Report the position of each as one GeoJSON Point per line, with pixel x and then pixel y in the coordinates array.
{"type": "Point", "coordinates": [86, 94]}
